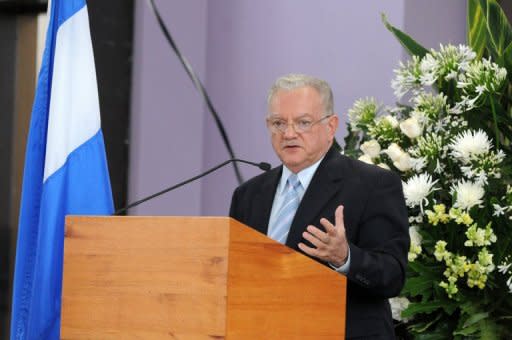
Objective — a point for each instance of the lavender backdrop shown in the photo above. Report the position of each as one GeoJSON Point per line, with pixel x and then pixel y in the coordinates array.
{"type": "Point", "coordinates": [238, 47]}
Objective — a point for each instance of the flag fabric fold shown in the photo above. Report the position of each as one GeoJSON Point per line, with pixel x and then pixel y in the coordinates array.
{"type": "Point", "coordinates": [65, 171]}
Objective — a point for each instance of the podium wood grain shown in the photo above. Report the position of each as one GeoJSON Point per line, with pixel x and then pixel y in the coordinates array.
{"type": "Point", "coordinates": [192, 278]}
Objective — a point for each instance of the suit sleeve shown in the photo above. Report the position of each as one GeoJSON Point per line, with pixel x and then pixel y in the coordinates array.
{"type": "Point", "coordinates": [379, 260]}
{"type": "Point", "coordinates": [234, 211]}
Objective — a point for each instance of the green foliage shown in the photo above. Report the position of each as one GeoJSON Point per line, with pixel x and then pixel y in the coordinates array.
{"type": "Point", "coordinates": [499, 33]}
{"type": "Point", "coordinates": [407, 42]}
{"type": "Point", "coordinates": [476, 28]}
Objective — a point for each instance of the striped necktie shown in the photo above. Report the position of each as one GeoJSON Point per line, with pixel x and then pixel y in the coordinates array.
{"type": "Point", "coordinates": [279, 231]}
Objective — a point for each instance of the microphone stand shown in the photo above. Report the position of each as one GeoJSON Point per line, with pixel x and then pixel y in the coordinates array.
{"type": "Point", "coordinates": [263, 166]}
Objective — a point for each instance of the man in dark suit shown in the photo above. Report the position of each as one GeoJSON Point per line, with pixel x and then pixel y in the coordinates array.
{"type": "Point", "coordinates": [346, 214]}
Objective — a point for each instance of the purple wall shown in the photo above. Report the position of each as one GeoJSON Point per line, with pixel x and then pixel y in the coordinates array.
{"type": "Point", "coordinates": [166, 142]}
{"type": "Point", "coordinates": [238, 47]}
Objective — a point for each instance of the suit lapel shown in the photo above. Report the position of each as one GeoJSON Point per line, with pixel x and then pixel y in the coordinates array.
{"type": "Point", "coordinates": [263, 201]}
{"type": "Point", "coordinates": [326, 182]}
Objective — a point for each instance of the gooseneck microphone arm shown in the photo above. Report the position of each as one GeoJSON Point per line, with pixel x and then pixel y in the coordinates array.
{"type": "Point", "coordinates": [263, 166]}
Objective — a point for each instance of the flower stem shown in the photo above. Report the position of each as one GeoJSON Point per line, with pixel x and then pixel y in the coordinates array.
{"type": "Point", "coordinates": [495, 118]}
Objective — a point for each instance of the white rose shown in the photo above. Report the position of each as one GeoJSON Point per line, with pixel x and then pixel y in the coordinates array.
{"type": "Point", "coordinates": [365, 158]}
{"type": "Point", "coordinates": [391, 120]}
{"type": "Point", "coordinates": [384, 166]}
{"type": "Point", "coordinates": [398, 304]}
{"type": "Point", "coordinates": [404, 162]}
{"type": "Point", "coordinates": [371, 148]}
{"type": "Point", "coordinates": [411, 127]}
{"type": "Point", "coordinates": [394, 151]}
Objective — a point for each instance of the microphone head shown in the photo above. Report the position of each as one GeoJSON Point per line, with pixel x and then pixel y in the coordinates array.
{"type": "Point", "coordinates": [264, 166]}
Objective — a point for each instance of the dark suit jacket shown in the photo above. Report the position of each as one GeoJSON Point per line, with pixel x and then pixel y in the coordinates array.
{"type": "Point", "coordinates": [376, 227]}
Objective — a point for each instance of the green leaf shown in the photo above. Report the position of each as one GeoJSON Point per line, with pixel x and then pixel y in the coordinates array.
{"type": "Point", "coordinates": [485, 329]}
{"type": "Point", "coordinates": [475, 318]}
{"type": "Point", "coordinates": [450, 307]}
{"type": "Point", "coordinates": [468, 330]}
{"type": "Point", "coordinates": [423, 326]}
{"type": "Point", "coordinates": [477, 31]}
{"type": "Point", "coordinates": [489, 330]}
{"type": "Point", "coordinates": [507, 59]}
{"type": "Point", "coordinates": [405, 40]}
{"type": "Point", "coordinates": [425, 271]}
{"type": "Point", "coordinates": [421, 307]}
{"type": "Point", "coordinates": [499, 31]}
{"type": "Point", "coordinates": [441, 331]}
{"type": "Point", "coordinates": [418, 285]}
{"type": "Point", "coordinates": [432, 336]}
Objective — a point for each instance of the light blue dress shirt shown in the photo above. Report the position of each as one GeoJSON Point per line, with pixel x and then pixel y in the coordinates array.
{"type": "Point", "coordinates": [305, 177]}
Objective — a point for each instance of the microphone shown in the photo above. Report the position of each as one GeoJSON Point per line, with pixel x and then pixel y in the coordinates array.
{"type": "Point", "coordinates": [262, 165]}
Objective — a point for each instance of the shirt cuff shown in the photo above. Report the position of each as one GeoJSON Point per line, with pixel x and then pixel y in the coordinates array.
{"type": "Point", "coordinates": [344, 268]}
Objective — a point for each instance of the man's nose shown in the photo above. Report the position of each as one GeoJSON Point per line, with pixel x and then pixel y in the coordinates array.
{"type": "Point", "coordinates": [290, 131]}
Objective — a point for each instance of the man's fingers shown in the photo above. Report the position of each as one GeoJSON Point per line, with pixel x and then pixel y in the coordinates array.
{"type": "Point", "coordinates": [316, 241]}
{"type": "Point", "coordinates": [319, 234]}
{"type": "Point", "coordinates": [329, 227]}
{"type": "Point", "coordinates": [338, 216]}
{"type": "Point", "coordinates": [307, 250]}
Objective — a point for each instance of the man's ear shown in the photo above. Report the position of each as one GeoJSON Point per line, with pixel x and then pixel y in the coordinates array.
{"type": "Point", "coordinates": [333, 125]}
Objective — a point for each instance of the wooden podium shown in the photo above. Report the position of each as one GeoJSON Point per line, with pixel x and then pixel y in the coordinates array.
{"type": "Point", "coordinates": [192, 278]}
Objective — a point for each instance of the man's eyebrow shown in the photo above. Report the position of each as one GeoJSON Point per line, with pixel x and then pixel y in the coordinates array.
{"type": "Point", "coordinates": [304, 115]}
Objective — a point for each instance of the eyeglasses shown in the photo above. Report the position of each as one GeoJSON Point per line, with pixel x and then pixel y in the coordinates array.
{"type": "Point", "coordinates": [278, 125]}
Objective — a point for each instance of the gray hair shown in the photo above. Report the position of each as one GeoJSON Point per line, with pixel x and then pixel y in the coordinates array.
{"type": "Point", "coordinates": [294, 81]}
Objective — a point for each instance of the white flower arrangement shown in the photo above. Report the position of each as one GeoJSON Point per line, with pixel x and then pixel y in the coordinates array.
{"type": "Point", "coordinates": [455, 166]}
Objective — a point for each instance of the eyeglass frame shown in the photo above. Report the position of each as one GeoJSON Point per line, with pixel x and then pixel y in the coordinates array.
{"type": "Point", "coordinates": [293, 124]}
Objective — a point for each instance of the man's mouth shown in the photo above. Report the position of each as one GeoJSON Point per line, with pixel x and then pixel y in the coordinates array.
{"type": "Point", "coordinates": [291, 146]}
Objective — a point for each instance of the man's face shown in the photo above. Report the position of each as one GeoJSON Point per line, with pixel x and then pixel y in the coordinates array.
{"type": "Point", "coordinates": [299, 150]}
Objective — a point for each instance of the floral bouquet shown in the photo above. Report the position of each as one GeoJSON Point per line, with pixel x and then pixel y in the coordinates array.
{"type": "Point", "coordinates": [450, 140]}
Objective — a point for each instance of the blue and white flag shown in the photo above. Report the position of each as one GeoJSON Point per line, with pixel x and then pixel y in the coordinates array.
{"type": "Point", "coordinates": [65, 169]}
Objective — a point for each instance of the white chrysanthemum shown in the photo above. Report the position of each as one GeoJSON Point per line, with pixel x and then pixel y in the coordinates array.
{"type": "Point", "coordinates": [398, 304]}
{"type": "Point", "coordinates": [371, 148]}
{"type": "Point", "coordinates": [469, 144]}
{"type": "Point", "coordinates": [468, 194]}
{"type": "Point", "coordinates": [416, 190]}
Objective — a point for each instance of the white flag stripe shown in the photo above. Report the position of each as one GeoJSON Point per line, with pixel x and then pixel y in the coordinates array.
{"type": "Point", "coordinates": [74, 106]}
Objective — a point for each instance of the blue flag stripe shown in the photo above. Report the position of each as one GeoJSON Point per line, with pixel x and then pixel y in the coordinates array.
{"type": "Point", "coordinates": [80, 186]}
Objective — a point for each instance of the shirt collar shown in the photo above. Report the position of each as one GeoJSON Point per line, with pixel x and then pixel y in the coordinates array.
{"type": "Point", "coordinates": [305, 175]}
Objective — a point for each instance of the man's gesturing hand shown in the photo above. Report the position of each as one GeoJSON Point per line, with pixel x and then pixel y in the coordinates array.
{"type": "Point", "coordinates": [330, 246]}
